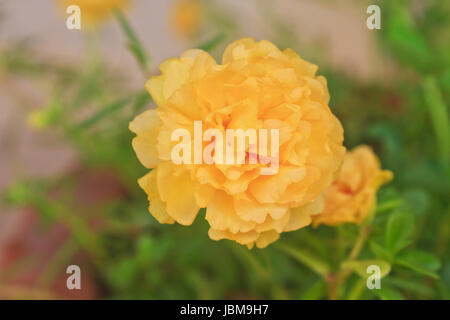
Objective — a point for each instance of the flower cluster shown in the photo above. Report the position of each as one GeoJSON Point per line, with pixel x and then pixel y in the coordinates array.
{"type": "Point", "coordinates": [257, 86]}
{"type": "Point", "coordinates": [351, 197]}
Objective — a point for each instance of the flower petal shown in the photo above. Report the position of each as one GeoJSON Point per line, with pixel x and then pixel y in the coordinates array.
{"type": "Point", "coordinates": [157, 208]}
{"type": "Point", "coordinates": [181, 206]}
{"type": "Point", "coordinates": [146, 126]}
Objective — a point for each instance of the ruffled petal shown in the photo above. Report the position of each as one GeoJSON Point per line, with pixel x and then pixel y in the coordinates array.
{"type": "Point", "coordinates": [181, 206]}
{"type": "Point", "coordinates": [146, 126]}
{"type": "Point", "coordinates": [157, 207]}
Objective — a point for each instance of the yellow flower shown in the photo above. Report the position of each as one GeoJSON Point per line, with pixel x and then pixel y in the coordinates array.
{"type": "Point", "coordinates": [351, 198]}
{"type": "Point", "coordinates": [94, 12]}
{"type": "Point", "coordinates": [256, 86]}
{"type": "Point", "coordinates": [186, 17]}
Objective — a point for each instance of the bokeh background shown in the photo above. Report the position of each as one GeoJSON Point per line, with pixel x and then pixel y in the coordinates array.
{"type": "Point", "coordinates": [68, 172]}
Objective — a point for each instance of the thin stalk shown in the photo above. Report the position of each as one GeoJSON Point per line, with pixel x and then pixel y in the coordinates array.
{"type": "Point", "coordinates": [336, 280]}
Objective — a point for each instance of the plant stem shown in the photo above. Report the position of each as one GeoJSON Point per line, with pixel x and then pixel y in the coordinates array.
{"type": "Point", "coordinates": [134, 44]}
{"type": "Point", "coordinates": [315, 264]}
{"type": "Point", "coordinates": [336, 280]}
{"type": "Point", "coordinates": [360, 241]}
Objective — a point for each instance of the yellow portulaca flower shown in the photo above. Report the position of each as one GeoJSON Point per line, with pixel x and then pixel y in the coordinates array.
{"type": "Point", "coordinates": [352, 197]}
{"type": "Point", "coordinates": [186, 17]}
{"type": "Point", "coordinates": [94, 12]}
{"type": "Point", "coordinates": [256, 86]}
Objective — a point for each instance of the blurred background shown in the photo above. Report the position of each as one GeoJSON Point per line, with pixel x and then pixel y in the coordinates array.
{"type": "Point", "coordinates": [68, 172]}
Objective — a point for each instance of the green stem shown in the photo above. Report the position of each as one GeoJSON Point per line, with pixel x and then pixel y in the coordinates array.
{"type": "Point", "coordinates": [315, 264]}
{"type": "Point", "coordinates": [360, 241]}
{"type": "Point", "coordinates": [134, 45]}
{"type": "Point", "coordinates": [336, 280]}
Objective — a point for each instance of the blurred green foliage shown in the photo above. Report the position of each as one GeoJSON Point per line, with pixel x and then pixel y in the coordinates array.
{"type": "Point", "coordinates": [405, 119]}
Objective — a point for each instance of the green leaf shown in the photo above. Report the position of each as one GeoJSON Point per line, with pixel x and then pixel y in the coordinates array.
{"type": "Point", "coordinates": [316, 291]}
{"type": "Point", "coordinates": [360, 266]}
{"type": "Point", "coordinates": [412, 286]}
{"type": "Point", "coordinates": [418, 200]}
{"type": "Point", "coordinates": [380, 252]}
{"type": "Point", "coordinates": [389, 205]}
{"type": "Point", "coordinates": [404, 37]}
{"type": "Point", "coordinates": [421, 262]}
{"type": "Point", "coordinates": [389, 294]}
{"type": "Point", "coordinates": [439, 116]}
{"type": "Point", "coordinates": [123, 273]}
{"type": "Point", "coordinates": [145, 248]}
{"type": "Point", "coordinates": [391, 139]}
{"type": "Point", "coordinates": [315, 264]}
{"type": "Point", "coordinates": [398, 231]}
